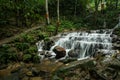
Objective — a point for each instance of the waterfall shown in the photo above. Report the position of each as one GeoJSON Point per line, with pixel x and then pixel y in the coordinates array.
{"type": "Point", "coordinates": [86, 43]}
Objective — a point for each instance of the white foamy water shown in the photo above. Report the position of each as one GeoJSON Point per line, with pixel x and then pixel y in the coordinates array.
{"type": "Point", "coordinates": [86, 43]}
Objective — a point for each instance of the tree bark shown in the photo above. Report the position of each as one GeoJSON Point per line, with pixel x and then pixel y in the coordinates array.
{"type": "Point", "coordinates": [47, 12]}
{"type": "Point", "coordinates": [75, 8]}
{"type": "Point", "coordinates": [58, 18]}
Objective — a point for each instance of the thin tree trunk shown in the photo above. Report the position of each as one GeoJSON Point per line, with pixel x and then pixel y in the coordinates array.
{"type": "Point", "coordinates": [58, 18]}
{"type": "Point", "coordinates": [58, 15]}
{"type": "Point", "coordinates": [47, 12]}
{"type": "Point", "coordinates": [75, 8]}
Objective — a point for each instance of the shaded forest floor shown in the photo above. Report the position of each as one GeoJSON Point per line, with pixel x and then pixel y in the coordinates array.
{"type": "Point", "coordinates": [8, 33]}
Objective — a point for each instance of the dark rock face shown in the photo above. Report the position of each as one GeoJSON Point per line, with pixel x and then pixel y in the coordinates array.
{"type": "Point", "coordinates": [59, 51]}
{"type": "Point", "coordinates": [73, 53]}
{"type": "Point", "coordinates": [114, 38]}
{"type": "Point", "coordinates": [116, 46]}
{"type": "Point", "coordinates": [48, 44]}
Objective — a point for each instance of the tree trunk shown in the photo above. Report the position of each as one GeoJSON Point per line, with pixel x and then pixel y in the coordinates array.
{"type": "Point", "coordinates": [58, 18]}
{"type": "Point", "coordinates": [47, 12]}
{"type": "Point", "coordinates": [75, 8]}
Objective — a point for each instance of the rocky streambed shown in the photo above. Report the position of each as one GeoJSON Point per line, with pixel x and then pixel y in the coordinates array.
{"type": "Point", "coordinates": [98, 67]}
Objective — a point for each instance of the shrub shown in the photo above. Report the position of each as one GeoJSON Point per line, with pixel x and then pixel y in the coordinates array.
{"type": "Point", "coordinates": [42, 36]}
{"type": "Point", "coordinates": [27, 57]}
{"type": "Point", "coordinates": [22, 46]}
{"type": "Point", "coordinates": [36, 59]}
{"type": "Point", "coordinates": [51, 28]}
{"type": "Point", "coordinates": [31, 50]}
{"type": "Point", "coordinates": [7, 54]}
{"type": "Point", "coordinates": [67, 24]}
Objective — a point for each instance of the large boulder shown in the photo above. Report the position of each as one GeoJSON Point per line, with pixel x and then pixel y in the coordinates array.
{"type": "Point", "coordinates": [73, 53]}
{"type": "Point", "coordinates": [59, 51]}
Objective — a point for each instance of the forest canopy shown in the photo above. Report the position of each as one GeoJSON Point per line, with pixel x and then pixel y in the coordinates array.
{"type": "Point", "coordinates": [27, 12]}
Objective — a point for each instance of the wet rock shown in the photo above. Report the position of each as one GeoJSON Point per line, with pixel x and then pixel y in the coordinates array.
{"type": "Point", "coordinates": [48, 44]}
{"type": "Point", "coordinates": [29, 73]}
{"type": "Point", "coordinates": [68, 60]}
{"type": "Point", "coordinates": [59, 51]}
{"type": "Point", "coordinates": [35, 71]}
{"type": "Point", "coordinates": [25, 78]}
{"type": "Point", "coordinates": [115, 63]}
{"type": "Point", "coordinates": [95, 76]}
{"type": "Point", "coordinates": [109, 73]}
{"type": "Point", "coordinates": [46, 54]}
{"type": "Point", "coordinates": [36, 78]}
{"type": "Point", "coordinates": [24, 71]}
{"type": "Point", "coordinates": [47, 66]}
{"type": "Point", "coordinates": [116, 46]}
{"type": "Point", "coordinates": [73, 53]}
{"type": "Point", "coordinates": [99, 55]}
{"type": "Point", "coordinates": [114, 38]}
{"type": "Point", "coordinates": [84, 64]}
{"type": "Point", "coordinates": [15, 67]}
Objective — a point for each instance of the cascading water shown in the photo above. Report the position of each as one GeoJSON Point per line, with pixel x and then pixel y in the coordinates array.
{"type": "Point", "coordinates": [84, 44]}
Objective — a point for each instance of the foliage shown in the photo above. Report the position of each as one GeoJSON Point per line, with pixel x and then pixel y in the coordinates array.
{"type": "Point", "coordinates": [27, 57]}
{"type": "Point", "coordinates": [67, 24]}
{"type": "Point", "coordinates": [22, 46]}
{"type": "Point", "coordinates": [36, 59]}
{"type": "Point", "coordinates": [31, 50]}
{"type": "Point", "coordinates": [7, 54]}
{"type": "Point", "coordinates": [50, 28]}
{"type": "Point", "coordinates": [42, 35]}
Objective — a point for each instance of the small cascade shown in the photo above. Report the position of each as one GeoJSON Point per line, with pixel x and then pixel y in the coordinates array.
{"type": "Point", "coordinates": [86, 44]}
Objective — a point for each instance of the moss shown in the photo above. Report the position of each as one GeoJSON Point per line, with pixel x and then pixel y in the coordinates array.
{"type": "Point", "coordinates": [27, 57]}
{"type": "Point", "coordinates": [51, 28]}
{"type": "Point", "coordinates": [42, 36]}
{"type": "Point", "coordinates": [22, 46]}
{"type": "Point", "coordinates": [31, 50]}
{"type": "Point", "coordinates": [36, 59]}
